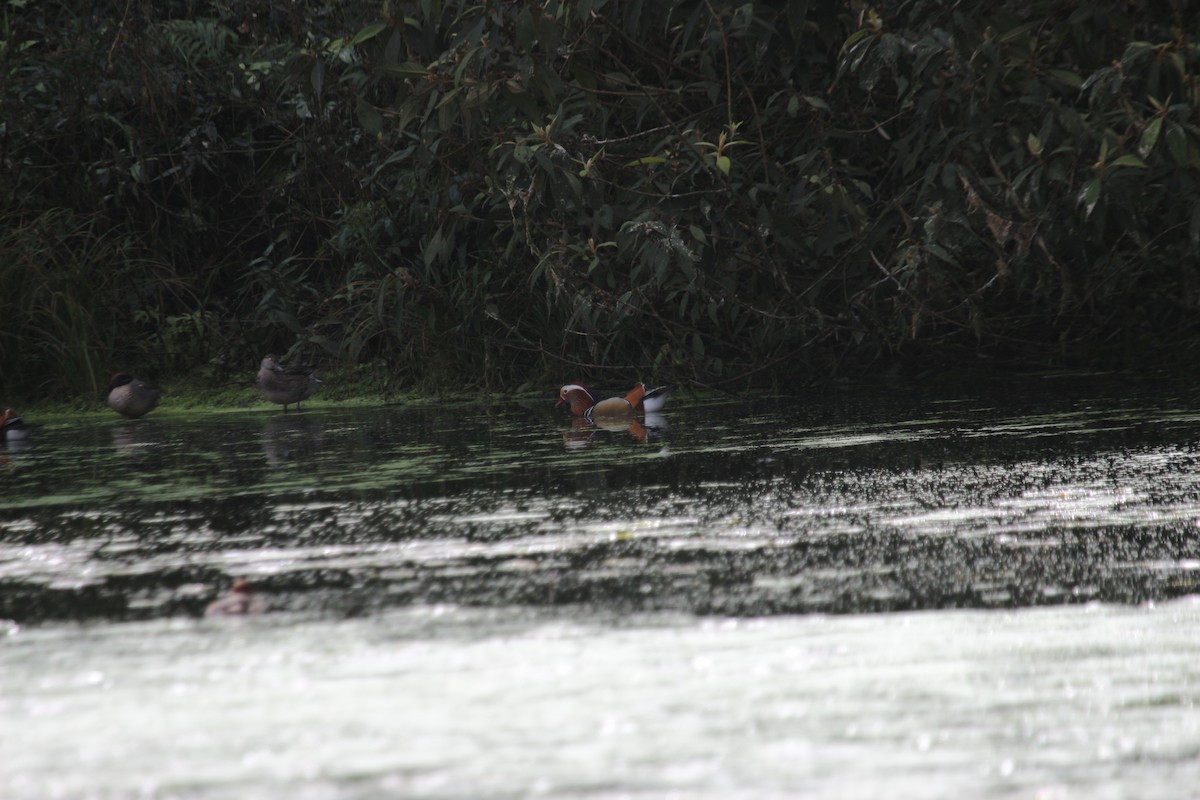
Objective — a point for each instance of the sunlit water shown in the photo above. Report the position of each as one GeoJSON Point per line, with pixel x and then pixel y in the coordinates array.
{"type": "Point", "coordinates": [901, 594]}
{"type": "Point", "coordinates": [1088, 702]}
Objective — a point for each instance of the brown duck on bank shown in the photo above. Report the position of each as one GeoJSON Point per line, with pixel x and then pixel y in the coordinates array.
{"type": "Point", "coordinates": [286, 385]}
{"type": "Point", "coordinates": [132, 397]}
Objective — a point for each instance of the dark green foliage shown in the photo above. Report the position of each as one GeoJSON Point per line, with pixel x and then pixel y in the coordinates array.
{"type": "Point", "coordinates": [1031, 200]}
{"type": "Point", "coordinates": [484, 193]}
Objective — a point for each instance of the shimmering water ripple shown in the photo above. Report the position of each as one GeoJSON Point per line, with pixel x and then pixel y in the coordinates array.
{"type": "Point", "coordinates": [492, 602]}
{"type": "Point", "coordinates": [726, 509]}
{"type": "Point", "coordinates": [441, 702]}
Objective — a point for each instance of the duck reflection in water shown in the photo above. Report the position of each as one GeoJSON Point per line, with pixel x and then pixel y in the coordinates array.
{"type": "Point", "coordinates": [289, 438]}
{"type": "Point", "coordinates": [583, 431]}
{"type": "Point", "coordinates": [135, 437]}
{"type": "Point", "coordinates": [239, 602]}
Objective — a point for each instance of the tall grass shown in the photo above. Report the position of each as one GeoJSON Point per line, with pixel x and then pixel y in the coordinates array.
{"type": "Point", "coordinates": [74, 287]}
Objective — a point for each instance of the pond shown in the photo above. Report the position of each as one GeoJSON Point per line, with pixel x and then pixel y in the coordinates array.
{"type": "Point", "coordinates": [905, 592]}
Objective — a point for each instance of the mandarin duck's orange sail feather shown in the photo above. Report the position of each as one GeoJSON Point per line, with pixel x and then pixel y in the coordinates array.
{"type": "Point", "coordinates": [634, 398]}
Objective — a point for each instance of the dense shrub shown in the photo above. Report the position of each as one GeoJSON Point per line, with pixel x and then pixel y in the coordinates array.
{"type": "Point", "coordinates": [483, 193]}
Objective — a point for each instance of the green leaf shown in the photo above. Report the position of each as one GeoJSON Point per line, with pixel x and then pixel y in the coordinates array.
{"type": "Point", "coordinates": [724, 164]}
{"type": "Point", "coordinates": [369, 32]}
{"type": "Point", "coordinates": [317, 77]}
{"type": "Point", "coordinates": [1177, 144]}
{"type": "Point", "coordinates": [1150, 137]}
{"type": "Point", "coordinates": [1069, 78]}
{"type": "Point", "coordinates": [548, 32]}
{"type": "Point", "coordinates": [646, 161]}
{"type": "Point", "coordinates": [406, 70]}
{"type": "Point", "coordinates": [1023, 175]}
{"type": "Point", "coordinates": [854, 38]}
{"type": "Point", "coordinates": [573, 182]}
{"type": "Point", "coordinates": [369, 117]}
{"type": "Point", "coordinates": [1089, 195]}
{"type": "Point", "coordinates": [687, 268]}
{"type": "Point", "coordinates": [525, 30]}
{"type": "Point", "coordinates": [941, 253]}
{"type": "Point", "coordinates": [1129, 160]}
{"type": "Point", "coordinates": [433, 248]}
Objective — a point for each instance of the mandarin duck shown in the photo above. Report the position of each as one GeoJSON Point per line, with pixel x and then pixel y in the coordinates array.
{"type": "Point", "coordinates": [239, 601]}
{"type": "Point", "coordinates": [13, 428]}
{"type": "Point", "coordinates": [131, 397]}
{"type": "Point", "coordinates": [285, 385]}
{"type": "Point", "coordinates": [640, 400]}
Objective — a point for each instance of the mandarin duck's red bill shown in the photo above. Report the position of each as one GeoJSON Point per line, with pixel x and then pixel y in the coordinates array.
{"type": "Point", "coordinates": [640, 400]}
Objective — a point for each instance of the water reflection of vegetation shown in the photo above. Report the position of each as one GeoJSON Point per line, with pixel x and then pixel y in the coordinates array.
{"type": "Point", "coordinates": [770, 512]}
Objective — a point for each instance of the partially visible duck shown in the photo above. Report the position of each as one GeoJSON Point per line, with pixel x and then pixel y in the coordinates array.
{"type": "Point", "coordinates": [655, 400]}
{"type": "Point", "coordinates": [640, 400]}
{"type": "Point", "coordinates": [285, 385]}
{"type": "Point", "coordinates": [130, 396]}
{"type": "Point", "coordinates": [13, 427]}
{"type": "Point", "coordinates": [239, 601]}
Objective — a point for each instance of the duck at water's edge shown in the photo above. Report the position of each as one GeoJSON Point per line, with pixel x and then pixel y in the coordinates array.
{"type": "Point", "coordinates": [286, 385]}
{"type": "Point", "coordinates": [132, 397]}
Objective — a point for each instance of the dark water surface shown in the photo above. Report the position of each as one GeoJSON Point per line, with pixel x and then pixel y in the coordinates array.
{"type": "Point", "coordinates": [843, 503]}
{"type": "Point", "coordinates": [903, 593]}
